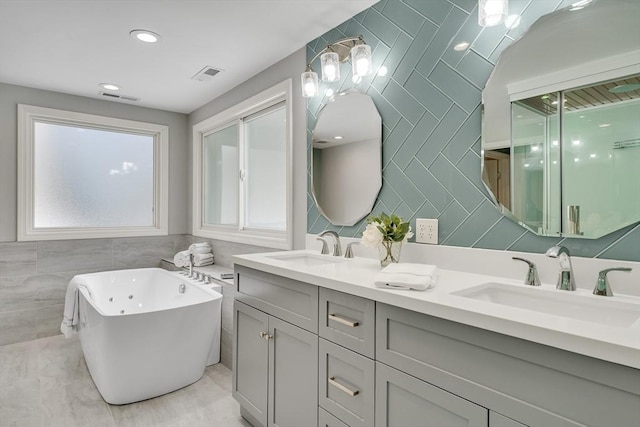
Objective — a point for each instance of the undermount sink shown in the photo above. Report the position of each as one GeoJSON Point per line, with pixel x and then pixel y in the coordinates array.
{"type": "Point", "coordinates": [306, 259]}
{"type": "Point", "coordinates": [589, 308]}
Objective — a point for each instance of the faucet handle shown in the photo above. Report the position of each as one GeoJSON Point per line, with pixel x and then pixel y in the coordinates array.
{"type": "Point", "coordinates": [325, 248]}
{"type": "Point", "coordinates": [602, 285]}
{"type": "Point", "coordinates": [349, 252]}
{"type": "Point", "coordinates": [532, 278]}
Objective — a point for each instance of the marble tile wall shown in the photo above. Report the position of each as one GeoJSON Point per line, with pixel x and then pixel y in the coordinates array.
{"type": "Point", "coordinates": [34, 276]}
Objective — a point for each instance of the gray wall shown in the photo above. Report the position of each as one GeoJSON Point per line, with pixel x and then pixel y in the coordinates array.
{"type": "Point", "coordinates": [430, 103]}
{"type": "Point", "coordinates": [290, 67]}
{"type": "Point", "coordinates": [11, 95]}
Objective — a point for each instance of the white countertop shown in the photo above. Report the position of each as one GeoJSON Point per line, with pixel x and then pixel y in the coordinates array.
{"type": "Point", "coordinates": [356, 276]}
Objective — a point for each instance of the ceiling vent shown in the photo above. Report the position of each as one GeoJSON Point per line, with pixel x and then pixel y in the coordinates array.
{"type": "Point", "coordinates": [205, 74]}
{"type": "Point", "coordinates": [116, 96]}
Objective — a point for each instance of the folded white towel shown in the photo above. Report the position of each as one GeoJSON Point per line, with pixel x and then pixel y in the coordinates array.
{"type": "Point", "coordinates": [407, 276]}
{"type": "Point", "coordinates": [181, 259]}
{"type": "Point", "coordinates": [200, 260]}
{"type": "Point", "coordinates": [69, 325]}
{"type": "Point", "coordinates": [200, 248]}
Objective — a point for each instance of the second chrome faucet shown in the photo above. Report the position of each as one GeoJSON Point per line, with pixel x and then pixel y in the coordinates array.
{"type": "Point", "coordinates": [566, 281]}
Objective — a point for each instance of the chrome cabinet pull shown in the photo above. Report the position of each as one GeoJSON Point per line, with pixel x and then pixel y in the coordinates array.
{"type": "Point", "coordinates": [265, 335]}
{"type": "Point", "coordinates": [333, 382]}
{"type": "Point", "coordinates": [342, 320]}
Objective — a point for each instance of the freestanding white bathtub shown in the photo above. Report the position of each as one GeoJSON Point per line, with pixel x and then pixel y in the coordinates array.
{"type": "Point", "coordinates": [146, 332]}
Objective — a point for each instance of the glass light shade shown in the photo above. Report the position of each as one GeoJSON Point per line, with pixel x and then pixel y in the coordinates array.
{"type": "Point", "coordinates": [361, 60]}
{"type": "Point", "coordinates": [492, 12]}
{"type": "Point", "coordinates": [309, 80]}
{"type": "Point", "coordinates": [330, 63]}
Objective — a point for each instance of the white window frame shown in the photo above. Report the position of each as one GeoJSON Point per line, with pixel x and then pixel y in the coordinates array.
{"type": "Point", "coordinates": [237, 233]}
{"type": "Point", "coordinates": [28, 115]}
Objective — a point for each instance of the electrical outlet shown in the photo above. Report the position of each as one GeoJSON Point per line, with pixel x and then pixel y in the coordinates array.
{"type": "Point", "coordinates": [427, 231]}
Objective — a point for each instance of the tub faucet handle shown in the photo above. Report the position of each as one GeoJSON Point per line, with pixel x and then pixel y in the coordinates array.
{"type": "Point", "coordinates": [532, 278]}
{"type": "Point", "coordinates": [602, 285]}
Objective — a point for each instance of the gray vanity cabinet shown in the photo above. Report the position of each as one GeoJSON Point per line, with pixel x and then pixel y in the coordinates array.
{"type": "Point", "coordinates": [403, 400]}
{"type": "Point", "coordinates": [533, 384]}
{"type": "Point", "coordinates": [275, 362]}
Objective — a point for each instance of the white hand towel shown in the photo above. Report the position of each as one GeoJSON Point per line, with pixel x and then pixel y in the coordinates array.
{"type": "Point", "coordinates": [181, 259]}
{"type": "Point", "coordinates": [200, 260]}
{"type": "Point", "coordinates": [69, 325]}
{"type": "Point", "coordinates": [407, 276]}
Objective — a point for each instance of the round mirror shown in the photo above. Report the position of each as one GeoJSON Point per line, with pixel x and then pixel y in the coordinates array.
{"type": "Point", "coordinates": [560, 134]}
{"type": "Point", "coordinates": [346, 165]}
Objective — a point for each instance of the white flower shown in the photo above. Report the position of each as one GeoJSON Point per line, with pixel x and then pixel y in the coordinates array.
{"type": "Point", "coordinates": [408, 235]}
{"type": "Point", "coordinates": [371, 236]}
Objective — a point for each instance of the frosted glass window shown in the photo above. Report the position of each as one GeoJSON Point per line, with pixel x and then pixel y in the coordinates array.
{"type": "Point", "coordinates": [265, 162]}
{"type": "Point", "coordinates": [220, 184]}
{"type": "Point", "coordinates": [242, 186]}
{"type": "Point", "coordinates": [87, 176]}
{"type": "Point", "coordinates": [91, 177]}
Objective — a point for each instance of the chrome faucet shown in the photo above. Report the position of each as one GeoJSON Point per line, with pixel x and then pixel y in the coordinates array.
{"type": "Point", "coordinates": [337, 248]}
{"type": "Point", "coordinates": [566, 282]}
{"type": "Point", "coordinates": [532, 278]}
{"type": "Point", "coordinates": [602, 285]}
{"type": "Point", "coordinates": [190, 266]}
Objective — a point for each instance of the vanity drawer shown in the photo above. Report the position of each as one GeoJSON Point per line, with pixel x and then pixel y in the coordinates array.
{"type": "Point", "coordinates": [325, 419]}
{"type": "Point", "coordinates": [290, 300]}
{"type": "Point", "coordinates": [347, 320]}
{"type": "Point", "coordinates": [346, 384]}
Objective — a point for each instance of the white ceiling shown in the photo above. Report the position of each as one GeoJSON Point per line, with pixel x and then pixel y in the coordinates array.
{"type": "Point", "coordinates": [71, 46]}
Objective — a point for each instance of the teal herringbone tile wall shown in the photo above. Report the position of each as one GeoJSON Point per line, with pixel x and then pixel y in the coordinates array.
{"type": "Point", "coordinates": [430, 103]}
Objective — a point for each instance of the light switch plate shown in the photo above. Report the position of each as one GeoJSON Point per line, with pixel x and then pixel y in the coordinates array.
{"type": "Point", "coordinates": [427, 231]}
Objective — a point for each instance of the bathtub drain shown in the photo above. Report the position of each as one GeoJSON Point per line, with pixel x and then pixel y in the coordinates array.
{"type": "Point", "coordinates": [121, 311]}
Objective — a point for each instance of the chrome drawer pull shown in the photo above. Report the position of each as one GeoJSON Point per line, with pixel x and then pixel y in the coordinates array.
{"type": "Point", "coordinates": [344, 321]}
{"type": "Point", "coordinates": [333, 382]}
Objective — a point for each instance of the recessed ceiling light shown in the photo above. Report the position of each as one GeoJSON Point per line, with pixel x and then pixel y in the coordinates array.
{"type": "Point", "coordinates": [109, 86]}
{"type": "Point", "coordinates": [604, 125]}
{"type": "Point", "coordinates": [337, 137]}
{"type": "Point", "coordinates": [145, 36]}
{"type": "Point", "coordinates": [461, 46]}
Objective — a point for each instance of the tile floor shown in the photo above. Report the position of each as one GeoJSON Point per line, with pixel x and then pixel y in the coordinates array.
{"type": "Point", "coordinates": [45, 382]}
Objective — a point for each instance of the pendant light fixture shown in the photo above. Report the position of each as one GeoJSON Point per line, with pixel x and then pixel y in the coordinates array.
{"type": "Point", "coordinates": [330, 59]}
{"type": "Point", "coordinates": [309, 81]}
{"type": "Point", "coordinates": [330, 64]}
{"type": "Point", "coordinates": [492, 12]}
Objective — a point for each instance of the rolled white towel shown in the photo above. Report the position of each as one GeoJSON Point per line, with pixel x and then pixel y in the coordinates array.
{"type": "Point", "coordinates": [200, 248]}
{"type": "Point", "coordinates": [181, 259]}
{"type": "Point", "coordinates": [407, 276]}
{"type": "Point", "coordinates": [200, 260]}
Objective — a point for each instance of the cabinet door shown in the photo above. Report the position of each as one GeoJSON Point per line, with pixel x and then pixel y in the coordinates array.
{"type": "Point", "coordinates": [293, 375]}
{"type": "Point", "coordinates": [250, 360]}
{"type": "Point", "coordinates": [403, 400]}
